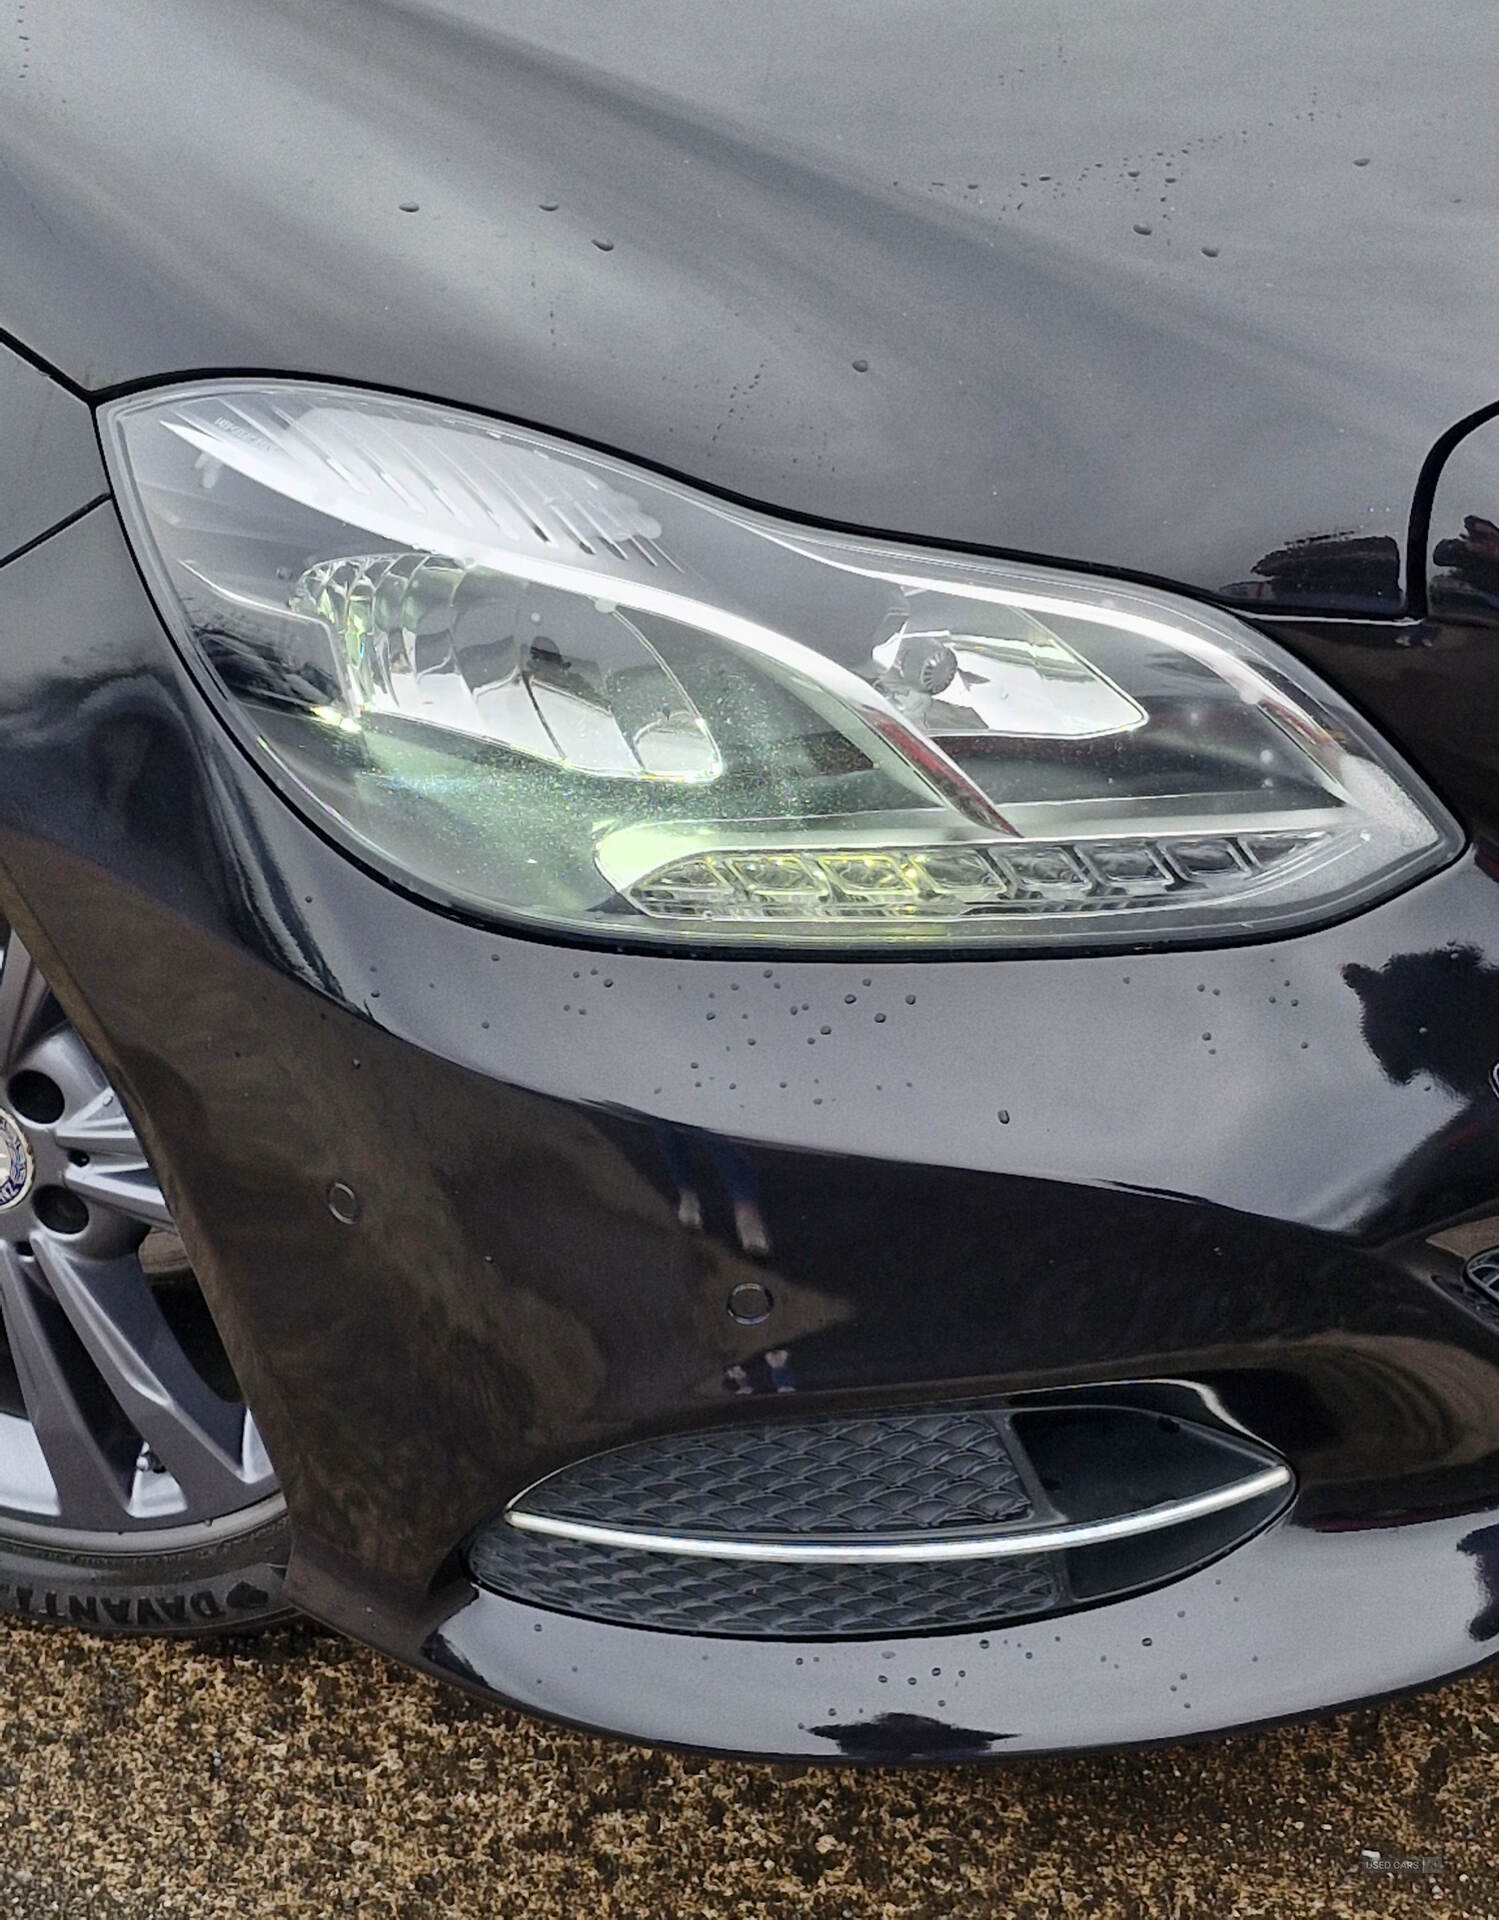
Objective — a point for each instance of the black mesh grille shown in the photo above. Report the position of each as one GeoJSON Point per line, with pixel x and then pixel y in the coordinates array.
{"type": "Point", "coordinates": [752, 1600]}
{"type": "Point", "coordinates": [927, 1470]}
{"type": "Point", "coordinates": [936, 1469]}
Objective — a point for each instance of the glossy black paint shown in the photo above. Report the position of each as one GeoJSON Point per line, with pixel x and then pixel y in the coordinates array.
{"type": "Point", "coordinates": [1183, 290]}
{"type": "Point", "coordinates": [51, 467]}
{"type": "Point", "coordinates": [1125, 291]}
{"type": "Point", "coordinates": [1222, 1167]}
{"type": "Point", "coordinates": [1463, 536]}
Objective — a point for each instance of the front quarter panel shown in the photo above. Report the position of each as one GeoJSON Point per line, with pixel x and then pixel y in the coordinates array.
{"type": "Point", "coordinates": [1220, 1167]}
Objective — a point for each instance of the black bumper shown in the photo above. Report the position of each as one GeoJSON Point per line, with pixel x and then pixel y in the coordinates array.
{"type": "Point", "coordinates": [1003, 1179]}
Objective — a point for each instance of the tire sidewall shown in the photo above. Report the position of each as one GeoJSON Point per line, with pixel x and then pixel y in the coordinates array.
{"type": "Point", "coordinates": [229, 1585]}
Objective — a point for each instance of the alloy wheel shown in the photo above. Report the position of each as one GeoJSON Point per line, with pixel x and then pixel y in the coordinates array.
{"type": "Point", "coordinates": [121, 1426]}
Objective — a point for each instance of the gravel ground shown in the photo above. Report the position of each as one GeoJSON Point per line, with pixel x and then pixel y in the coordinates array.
{"type": "Point", "coordinates": [296, 1774]}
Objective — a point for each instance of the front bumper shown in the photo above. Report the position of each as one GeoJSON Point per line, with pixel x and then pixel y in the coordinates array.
{"type": "Point", "coordinates": [1222, 1168]}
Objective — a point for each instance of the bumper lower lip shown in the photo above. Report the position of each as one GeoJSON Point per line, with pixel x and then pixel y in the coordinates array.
{"type": "Point", "coordinates": [1296, 1621]}
{"type": "Point", "coordinates": [1009, 1543]}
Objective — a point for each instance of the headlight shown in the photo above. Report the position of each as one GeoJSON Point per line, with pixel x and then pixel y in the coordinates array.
{"type": "Point", "coordinates": [541, 685]}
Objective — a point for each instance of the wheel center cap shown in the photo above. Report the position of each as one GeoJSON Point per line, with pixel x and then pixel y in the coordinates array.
{"type": "Point", "coordinates": [17, 1167]}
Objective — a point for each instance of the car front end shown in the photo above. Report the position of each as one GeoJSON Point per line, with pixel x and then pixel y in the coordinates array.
{"type": "Point", "coordinates": [822, 1039]}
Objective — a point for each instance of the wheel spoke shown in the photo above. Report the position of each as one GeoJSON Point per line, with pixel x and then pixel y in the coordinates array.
{"type": "Point", "coordinates": [115, 1172]}
{"type": "Point", "coordinates": [127, 1186]}
{"type": "Point", "coordinates": [93, 1488]}
{"type": "Point", "coordinates": [197, 1436]}
{"type": "Point", "coordinates": [24, 997]}
{"type": "Point", "coordinates": [132, 1436]}
{"type": "Point", "coordinates": [101, 1127]}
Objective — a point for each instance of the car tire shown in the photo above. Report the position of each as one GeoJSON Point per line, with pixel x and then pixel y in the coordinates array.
{"type": "Point", "coordinates": [234, 1586]}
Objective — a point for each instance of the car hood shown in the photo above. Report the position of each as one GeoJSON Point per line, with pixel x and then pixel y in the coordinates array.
{"type": "Point", "coordinates": [1186, 290]}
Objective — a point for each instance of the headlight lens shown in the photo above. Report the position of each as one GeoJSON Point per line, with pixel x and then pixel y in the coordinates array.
{"type": "Point", "coordinates": [539, 684]}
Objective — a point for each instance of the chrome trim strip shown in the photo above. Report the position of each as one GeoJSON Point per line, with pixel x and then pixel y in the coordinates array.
{"type": "Point", "coordinates": [822, 1549]}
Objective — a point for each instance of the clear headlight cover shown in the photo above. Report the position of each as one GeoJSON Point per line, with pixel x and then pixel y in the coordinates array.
{"type": "Point", "coordinates": [540, 685]}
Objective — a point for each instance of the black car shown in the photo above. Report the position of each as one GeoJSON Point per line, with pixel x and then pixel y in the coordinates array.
{"type": "Point", "coordinates": [748, 776]}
